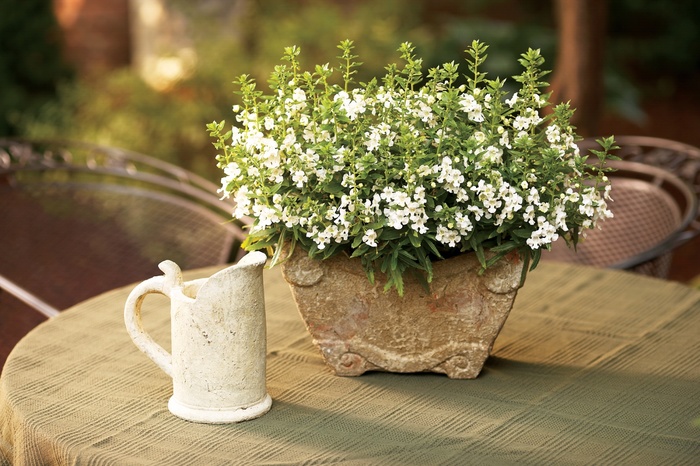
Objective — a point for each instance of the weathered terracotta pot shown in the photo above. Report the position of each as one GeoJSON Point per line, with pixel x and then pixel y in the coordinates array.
{"type": "Point", "coordinates": [358, 327]}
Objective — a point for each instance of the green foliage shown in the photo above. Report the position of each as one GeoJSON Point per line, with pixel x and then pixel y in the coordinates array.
{"type": "Point", "coordinates": [407, 168]}
{"type": "Point", "coordinates": [30, 59]}
{"type": "Point", "coordinates": [656, 37]}
{"type": "Point", "coordinates": [653, 50]}
{"type": "Point", "coordinates": [119, 109]}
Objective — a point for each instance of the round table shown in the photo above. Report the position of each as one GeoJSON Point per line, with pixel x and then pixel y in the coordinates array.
{"type": "Point", "coordinates": [592, 367]}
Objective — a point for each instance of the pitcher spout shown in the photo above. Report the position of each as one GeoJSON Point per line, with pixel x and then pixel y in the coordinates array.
{"type": "Point", "coordinates": [238, 280]}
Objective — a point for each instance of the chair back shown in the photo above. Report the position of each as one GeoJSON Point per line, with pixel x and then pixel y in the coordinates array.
{"type": "Point", "coordinates": [80, 219]}
{"type": "Point", "coordinates": [652, 210]}
{"type": "Point", "coordinates": [683, 160]}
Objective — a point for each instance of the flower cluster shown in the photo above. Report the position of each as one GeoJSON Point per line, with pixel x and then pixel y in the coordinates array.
{"type": "Point", "coordinates": [408, 169]}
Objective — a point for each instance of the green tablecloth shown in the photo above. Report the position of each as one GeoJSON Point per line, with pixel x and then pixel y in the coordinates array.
{"type": "Point", "coordinates": [592, 367]}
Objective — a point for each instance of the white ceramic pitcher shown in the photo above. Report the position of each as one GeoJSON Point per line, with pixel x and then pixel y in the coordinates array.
{"type": "Point", "coordinates": [218, 340]}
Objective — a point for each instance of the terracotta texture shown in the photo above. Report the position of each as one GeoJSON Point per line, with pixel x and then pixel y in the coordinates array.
{"type": "Point", "coordinates": [219, 341]}
{"type": "Point", "coordinates": [358, 327]}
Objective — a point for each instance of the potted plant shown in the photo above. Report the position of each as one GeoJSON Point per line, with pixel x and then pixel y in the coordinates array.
{"type": "Point", "coordinates": [418, 199]}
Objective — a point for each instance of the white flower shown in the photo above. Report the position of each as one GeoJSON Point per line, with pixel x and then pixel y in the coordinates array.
{"type": "Point", "coordinates": [553, 134]}
{"type": "Point", "coordinates": [494, 155]}
{"type": "Point", "coordinates": [348, 180]}
{"type": "Point", "coordinates": [463, 223]}
{"type": "Point", "coordinates": [385, 98]}
{"type": "Point", "coordinates": [545, 234]}
{"type": "Point", "coordinates": [370, 238]}
{"type": "Point", "coordinates": [477, 211]}
{"type": "Point", "coordinates": [522, 137]}
{"type": "Point", "coordinates": [451, 178]}
{"type": "Point", "coordinates": [479, 137]}
{"type": "Point", "coordinates": [505, 140]}
{"type": "Point", "coordinates": [447, 236]}
{"type": "Point", "coordinates": [236, 136]}
{"type": "Point", "coordinates": [529, 214]}
{"type": "Point", "coordinates": [419, 225]}
{"type": "Point", "coordinates": [243, 202]}
{"type": "Point", "coordinates": [299, 178]}
{"type": "Point", "coordinates": [471, 107]}
{"type": "Point", "coordinates": [373, 140]}
{"type": "Point", "coordinates": [539, 101]}
{"type": "Point", "coordinates": [289, 219]}
{"type": "Point", "coordinates": [353, 106]}
{"type": "Point", "coordinates": [521, 123]}
{"type": "Point", "coordinates": [425, 113]}
{"type": "Point", "coordinates": [265, 215]}
{"type": "Point", "coordinates": [232, 172]}
{"type": "Point", "coordinates": [330, 165]}
{"type": "Point", "coordinates": [299, 95]}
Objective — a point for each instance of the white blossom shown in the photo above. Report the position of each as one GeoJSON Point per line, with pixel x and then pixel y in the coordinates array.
{"type": "Point", "coordinates": [333, 166]}
{"type": "Point", "coordinates": [370, 238]}
{"type": "Point", "coordinates": [447, 236]}
{"type": "Point", "coordinates": [471, 107]}
{"type": "Point", "coordinates": [299, 178]}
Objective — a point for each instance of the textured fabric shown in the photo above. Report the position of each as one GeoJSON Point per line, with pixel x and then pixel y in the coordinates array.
{"type": "Point", "coordinates": [592, 367]}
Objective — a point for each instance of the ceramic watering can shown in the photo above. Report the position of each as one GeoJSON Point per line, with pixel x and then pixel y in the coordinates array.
{"type": "Point", "coordinates": [218, 340]}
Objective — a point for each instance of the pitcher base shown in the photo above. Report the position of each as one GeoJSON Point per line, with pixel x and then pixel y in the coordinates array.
{"type": "Point", "coordinates": [219, 416]}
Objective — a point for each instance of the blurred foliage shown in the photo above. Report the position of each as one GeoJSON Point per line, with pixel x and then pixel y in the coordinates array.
{"type": "Point", "coordinates": [657, 43]}
{"type": "Point", "coordinates": [647, 39]}
{"type": "Point", "coordinates": [120, 109]}
{"type": "Point", "coordinates": [653, 51]}
{"type": "Point", "coordinates": [30, 63]}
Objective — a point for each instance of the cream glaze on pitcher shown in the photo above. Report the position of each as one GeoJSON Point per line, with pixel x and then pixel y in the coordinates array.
{"type": "Point", "coordinates": [219, 340]}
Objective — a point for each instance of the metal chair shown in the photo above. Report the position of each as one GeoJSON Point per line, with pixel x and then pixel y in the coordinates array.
{"type": "Point", "coordinates": [655, 206]}
{"type": "Point", "coordinates": [79, 219]}
{"type": "Point", "coordinates": [683, 160]}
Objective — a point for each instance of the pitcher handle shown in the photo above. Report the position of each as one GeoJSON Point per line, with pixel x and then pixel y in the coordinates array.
{"type": "Point", "coordinates": [132, 319]}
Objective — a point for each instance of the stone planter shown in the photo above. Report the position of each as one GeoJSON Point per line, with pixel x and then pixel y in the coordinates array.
{"type": "Point", "coordinates": [358, 327]}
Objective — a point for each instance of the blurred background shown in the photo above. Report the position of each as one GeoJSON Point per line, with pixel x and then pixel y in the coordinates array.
{"type": "Point", "coordinates": [147, 75]}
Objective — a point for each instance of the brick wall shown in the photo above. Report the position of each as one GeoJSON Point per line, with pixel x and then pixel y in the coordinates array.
{"type": "Point", "coordinates": [96, 33]}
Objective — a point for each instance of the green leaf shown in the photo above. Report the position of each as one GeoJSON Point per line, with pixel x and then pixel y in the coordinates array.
{"type": "Point", "coordinates": [357, 241]}
{"type": "Point", "coordinates": [278, 249]}
{"type": "Point", "coordinates": [522, 233]}
{"type": "Point", "coordinates": [479, 251]}
{"type": "Point", "coordinates": [258, 245]}
{"type": "Point", "coordinates": [333, 187]}
{"type": "Point", "coordinates": [407, 255]}
{"type": "Point", "coordinates": [433, 249]}
{"type": "Point", "coordinates": [505, 248]}
{"type": "Point", "coordinates": [368, 265]}
{"type": "Point", "coordinates": [536, 254]}
{"type": "Point", "coordinates": [526, 262]}
{"type": "Point", "coordinates": [415, 239]}
{"type": "Point", "coordinates": [359, 252]}
{"type": "Point", "coordinates": [389, 234]}
{"type": "Point", "coordinates": [421, 279]}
